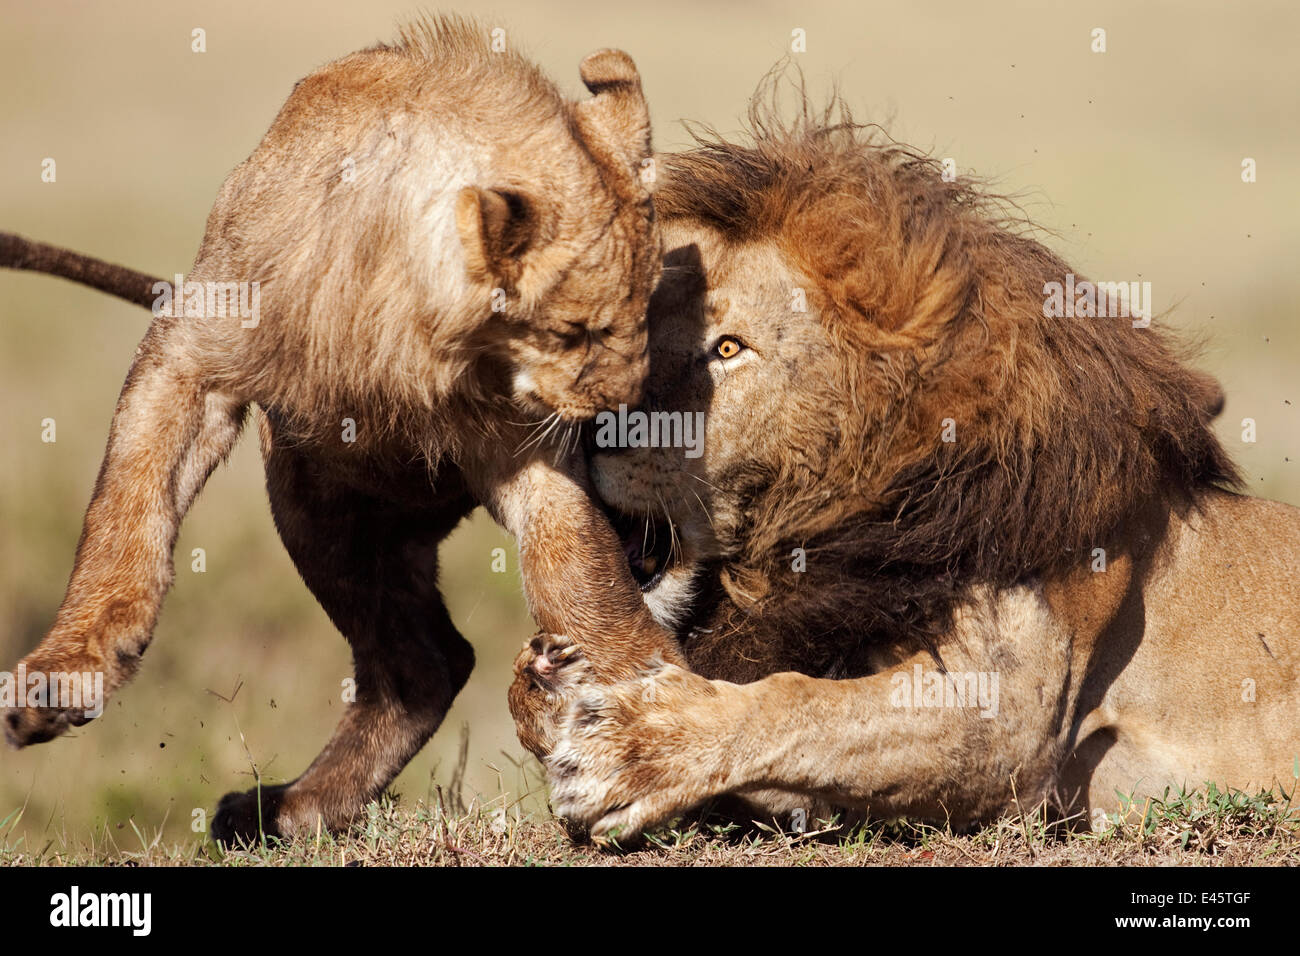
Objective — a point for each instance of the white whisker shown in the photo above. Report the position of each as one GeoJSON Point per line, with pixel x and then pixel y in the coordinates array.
{"type": "Point", "coordinates": [708, 517]}
{"type": "Point", "coordinates": [538, 435]}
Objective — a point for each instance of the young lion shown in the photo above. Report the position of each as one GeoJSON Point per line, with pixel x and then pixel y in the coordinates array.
{"type": "Point", "coordinates": [429, 245]}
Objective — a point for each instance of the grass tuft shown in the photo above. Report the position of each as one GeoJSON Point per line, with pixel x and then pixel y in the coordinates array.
{"type": "Point", "coordinates": [1207, 827]}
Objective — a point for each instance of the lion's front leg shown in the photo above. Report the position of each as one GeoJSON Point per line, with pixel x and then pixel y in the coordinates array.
{"type": "Point", "coordinates": [963, 743]}
{"type": "Point", "coordinates": [631, 755]}
{"type": "Point", "coordinates": [169, 432]}
{"type": "Point", "coordinates": [575, 572]}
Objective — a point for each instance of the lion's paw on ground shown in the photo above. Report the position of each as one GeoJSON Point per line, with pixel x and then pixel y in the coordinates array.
{"type": "Point", "coordinates": [238, 823]}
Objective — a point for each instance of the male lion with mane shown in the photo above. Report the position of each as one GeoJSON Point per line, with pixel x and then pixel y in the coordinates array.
{"type": "Point", "coordinates": [874, 617]}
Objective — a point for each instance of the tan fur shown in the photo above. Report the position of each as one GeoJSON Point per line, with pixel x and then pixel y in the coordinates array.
{"type": "Point", "coordinates": [446, 247]}
{"type": "Point", "coordinates": [973, 557]}
{"type": "Point", "coordinates": [1152, 694]}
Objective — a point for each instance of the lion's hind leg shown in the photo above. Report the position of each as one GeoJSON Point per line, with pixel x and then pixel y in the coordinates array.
{"type": "Point", "coordinates": [372, 564]}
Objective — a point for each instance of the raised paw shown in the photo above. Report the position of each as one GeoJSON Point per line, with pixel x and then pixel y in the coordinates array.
{"type": "Point", "coordinates": [47, 701]}
{"type": "Point", "coordinates": [35, 725]}
{"type": "Point", "coordinates": [547, 670]}
{"type": "Point", "coordinates": [551, 663]}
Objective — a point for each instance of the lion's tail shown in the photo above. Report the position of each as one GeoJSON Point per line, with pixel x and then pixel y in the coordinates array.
{"type": "Point", "coordinates": [17, 252]}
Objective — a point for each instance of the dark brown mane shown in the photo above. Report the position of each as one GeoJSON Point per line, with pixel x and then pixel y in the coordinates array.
{"type": "Point", "coordinates": [933, 294]}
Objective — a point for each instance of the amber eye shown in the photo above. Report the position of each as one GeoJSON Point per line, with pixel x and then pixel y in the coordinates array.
{"type": "Point", "coordinates": [728, 347]}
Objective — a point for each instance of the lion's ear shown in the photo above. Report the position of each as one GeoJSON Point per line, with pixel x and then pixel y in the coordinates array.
{"type": "Point", "coordinates": [496, 226]}
{"type": "Point", "coordinates": [615, 122]}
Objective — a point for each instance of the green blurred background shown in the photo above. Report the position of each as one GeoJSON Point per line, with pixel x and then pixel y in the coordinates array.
{"type": "Point", "coordinates": [1131, 156]}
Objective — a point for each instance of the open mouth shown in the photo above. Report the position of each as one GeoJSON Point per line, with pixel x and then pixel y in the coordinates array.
{"type": "Point", "coordinates": [647, 544]}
